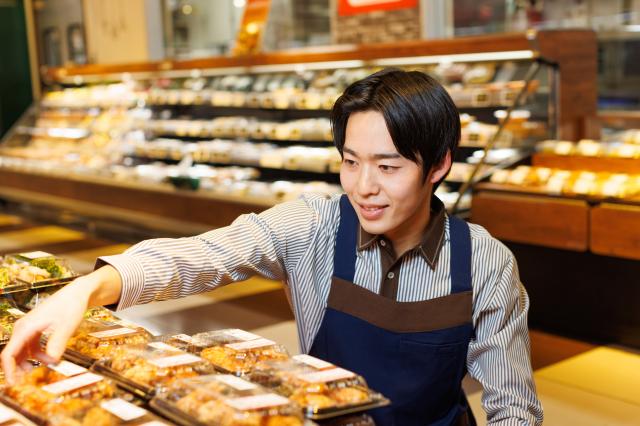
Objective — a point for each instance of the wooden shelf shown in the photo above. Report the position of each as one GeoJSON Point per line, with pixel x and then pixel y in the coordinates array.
{"type": "Point", "coordinates": [615, 230]}
{"type": "Point", "coordinates": [530, 219]}
{"type": "Point", "coordinates": [592, 164]}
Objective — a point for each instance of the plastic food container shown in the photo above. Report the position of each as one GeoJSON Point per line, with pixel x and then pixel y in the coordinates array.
{"type": "Point", "coordinates": [225, 400]}
{"type": "Point", "coordinates": [236, 351]}
{"type": "Point", "coordinates": [145, 370]}
{"type": "Point", "coordinates": [111, 412]}
{"type": "Point", "coordinates": [322, 389]}
{"type": "Point", "coordinates": [97, 339]}
{"type": "Point", "coordinates": [9, 314]}
{"type": "Point", "coordinates": [9, 282]}
{"type": "Point", "coordinates": [39, 269]}
{"type": "Point", "coordinates": [11, 417]}
{"type": "Point", "coordinates": [49, 391]}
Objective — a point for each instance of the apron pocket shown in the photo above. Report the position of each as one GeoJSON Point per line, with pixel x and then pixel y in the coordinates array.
{"type": "Point", "coordinates": [433, 370]}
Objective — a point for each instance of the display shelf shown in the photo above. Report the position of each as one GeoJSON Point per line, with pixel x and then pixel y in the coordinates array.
{"type": "Point", "coordinates": [121, 105]}
{"type": "Point", "coordinates": [582, 162]}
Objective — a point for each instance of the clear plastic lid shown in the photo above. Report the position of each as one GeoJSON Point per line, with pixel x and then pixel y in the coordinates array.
{"type": "Point", "coordinates": [101, 314]}
{"type": "Point", "coordinates": [227, 400]}
{"type": "Point", "coordinates": [9, 273]}
{"type": "Point", "coordinates": [153, 366]}
{"type": "Point", "coordinates": [314, 384]}
{"type": "Point", "coordinates": [114, 411]}
{"type": "Point", "coordinates": [236, 351]}
{"type": "Point", "coordinates": [97, 339]}
{"type": "Point", "coordinates": [46, 391]}
{"type": "Point", "coordinates": [38, 268]}
{"type": "Point", "coordinates": [9, 314]}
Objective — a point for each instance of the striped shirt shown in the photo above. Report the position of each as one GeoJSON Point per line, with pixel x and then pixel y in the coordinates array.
{"type": "Point", "coordinates": [294, 242]}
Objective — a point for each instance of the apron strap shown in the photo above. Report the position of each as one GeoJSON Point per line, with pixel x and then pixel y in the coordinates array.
{"type": "Point", "coordinates": [460, 255]}
{"type": "Point", "coordinates": [344, 258]}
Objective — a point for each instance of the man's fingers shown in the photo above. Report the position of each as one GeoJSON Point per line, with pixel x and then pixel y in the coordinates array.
{"type": "Point", "coordinates": [8, 365]}
{"type": "Point", "coordinates": [16, 350]}
{"type": "Point", "coordinates": [58, 342]}
{"type": "Point", "coordinates": [36, 353]}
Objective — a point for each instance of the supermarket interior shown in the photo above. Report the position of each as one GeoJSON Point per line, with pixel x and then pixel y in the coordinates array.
{"type": "Point", "coordinates": [129, 120]}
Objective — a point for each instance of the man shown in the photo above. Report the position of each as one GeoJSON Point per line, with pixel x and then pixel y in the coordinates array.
{"type": "Point", "coordinates": [382, 282]}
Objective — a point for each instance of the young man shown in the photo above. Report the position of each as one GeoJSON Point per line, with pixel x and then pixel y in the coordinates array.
{"type": "Point", "coordinates": [381, 280]}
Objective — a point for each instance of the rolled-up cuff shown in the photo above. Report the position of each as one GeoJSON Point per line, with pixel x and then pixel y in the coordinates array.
{"type": "Point", "coordinates": [132, 276]}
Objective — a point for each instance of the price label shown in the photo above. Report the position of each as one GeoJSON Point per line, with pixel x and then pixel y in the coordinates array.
{"type": "Point", "coordinates": [175, 360]}
{"type": "Point", "coordinates": [35, 255]}
{"type": "Point", "coordinates": [163, 346]}
{"type": "Point", "coordinates": [235, 382]}
{"type": "Point", "coordinates": [313, 362]}
{"type": "Point", "coordinates": [73, 383]}
{"type": "Point", "coordinates": [16, 312]}
{"type": "Point", "coordinates": [241, 334]}
{"type": "Point", "coordinates": [121, 331]}
{"type": "Point", "coordinates": [183, 338]}
{"type": "Point", "coordinates": [257, 401]}
{"type": "Point", "coordinates": [123, 409]}
{"type": "Point", "coordinates": [6, 414]}
{"type": "Point", "coordinates": [327, 375]}
{"type": "Point", "coordinates": [251, 344]}
{"type": "Point", "coordinates": [67, 368]}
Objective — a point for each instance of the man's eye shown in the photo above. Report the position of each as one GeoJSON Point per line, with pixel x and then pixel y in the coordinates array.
{"type": "Point", "coordinates": [349, 162]}
{"type": "Point", "coordinates": [387, 168]}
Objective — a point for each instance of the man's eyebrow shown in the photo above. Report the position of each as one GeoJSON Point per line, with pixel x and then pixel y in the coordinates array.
{"type": "Point", "coordinates": [380, 156]}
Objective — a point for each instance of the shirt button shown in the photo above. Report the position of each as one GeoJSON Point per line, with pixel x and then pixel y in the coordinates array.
{"type": "Point", "coordinates": [383, 243]}
{"type": "Point", "coordinates": [390, 275]}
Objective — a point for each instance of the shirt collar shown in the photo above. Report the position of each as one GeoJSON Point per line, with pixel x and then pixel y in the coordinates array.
{"type": "Point", "coordinates": [432, 238]}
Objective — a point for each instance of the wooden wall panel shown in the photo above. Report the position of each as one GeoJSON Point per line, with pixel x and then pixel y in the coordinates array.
{"type": "Point", "coordinates": [615, 230]}
{"type": "Point", "coordinates": [533, 220]}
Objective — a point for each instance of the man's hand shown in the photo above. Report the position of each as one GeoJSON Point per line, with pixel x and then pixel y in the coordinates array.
{"type": "Point", "coordinates": [60, 314]}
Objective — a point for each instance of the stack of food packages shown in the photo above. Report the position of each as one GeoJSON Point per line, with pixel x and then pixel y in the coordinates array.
{"type": "Point", "coordinates": [570, 182]}
{"type": "Point", "coordinates": [113, 368]}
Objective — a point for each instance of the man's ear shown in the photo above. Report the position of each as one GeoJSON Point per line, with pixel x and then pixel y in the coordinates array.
{"type": "Point", "coordinates": [440, 170]}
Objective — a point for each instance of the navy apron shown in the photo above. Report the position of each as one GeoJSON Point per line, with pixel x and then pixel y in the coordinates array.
{"type": "Point", "coordinates": [412, 352]}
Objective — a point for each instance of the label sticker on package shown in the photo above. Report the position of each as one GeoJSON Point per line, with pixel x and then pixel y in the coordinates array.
{"type": "Point", "coordinates": [313, 362]}
{"type": "Point", "coordinates": [67, 368]}
{"type": "Point", "coordinates": [175, 360]}
{"type": "Point", "coordinates": [242, 335]}
{"type": "Point", "coordinates": [16, 312]}
{"type": "Point", "coordinates": [235, 382]}
{"type": "Point", "coordinates": [327, 375]}
{"type": "Point", "coordinates": [163, 346]}
{"type": "Point", "coordinates": [251, 344]}
{"type": "Point", "coordinates": [68, 385]}
{"type": "Point", "coordinates": [183, 338]}
{"type": "Point", "coordinates": [257, 401]}
{"type": "Point", "coordinates": [123, 409]}
{"type": "Point", "coordinates": [121, 331]}
{"type": "Point", "coordinates": [6, 414]}
{"type": "Point", "coordinates": [32, 255]}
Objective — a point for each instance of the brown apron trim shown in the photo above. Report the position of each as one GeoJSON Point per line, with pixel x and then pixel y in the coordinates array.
{"type": "Point", "coordinates": [400, 317]}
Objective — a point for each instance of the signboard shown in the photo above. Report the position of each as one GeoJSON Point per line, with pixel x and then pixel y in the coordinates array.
{"type": "Point", "coordinates": [355, 7]}
{"type": "Point", "coordinates": [254, 21]}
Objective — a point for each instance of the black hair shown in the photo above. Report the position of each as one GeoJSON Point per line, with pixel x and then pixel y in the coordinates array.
{"type": "Point", "coordinates": [421, 117]}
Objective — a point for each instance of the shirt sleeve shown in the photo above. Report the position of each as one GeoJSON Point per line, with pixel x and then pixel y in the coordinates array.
{"type": "Point", "coordinates": [267, 244]}
{"type": "Point", "coordinates": [499, 356]}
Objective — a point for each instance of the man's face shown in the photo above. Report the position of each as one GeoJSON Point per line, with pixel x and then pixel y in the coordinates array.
{"type": "Point", "coordinates": [386, 189]}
